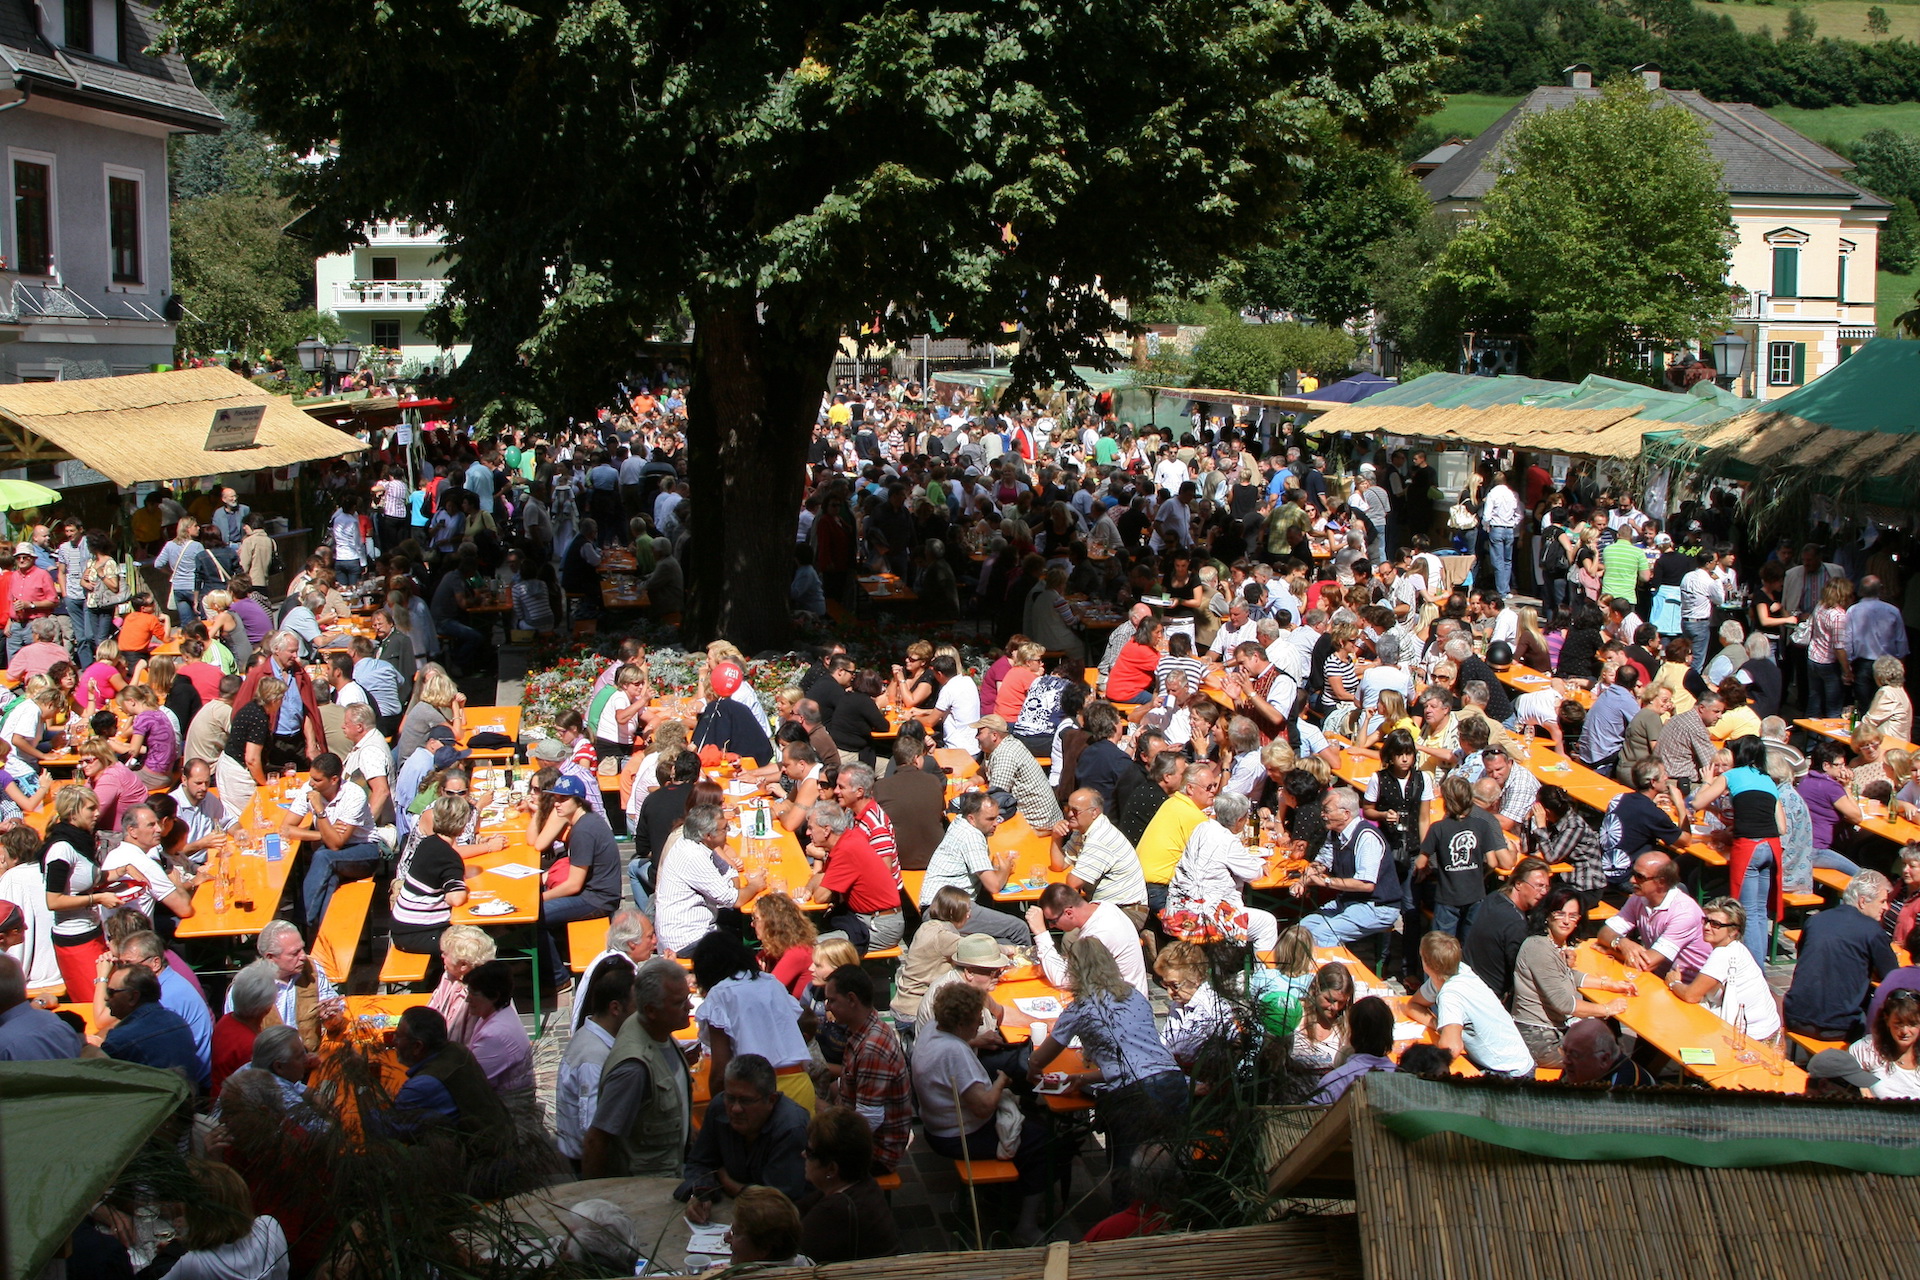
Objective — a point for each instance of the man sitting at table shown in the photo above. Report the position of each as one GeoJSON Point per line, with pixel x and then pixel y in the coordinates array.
{"type": "Point", "coordinates": [1666, 918]}
{"type": "Point", "coordinates": [753, 1135]}
{"type": "Point", "coordinates": [303, 995]}
{"type": "Point", "coordinates": [848, 873]}
{"type": "Point", "coordinates": [697, 879]}
{"type": "Point", "coordinates": [1467, 1016]}
{"type": "Point", "coordinates": [1592, 1055]}
{"type": "Point", "coordinates": [445, 1084]}
{"type": "Point", "coordinates": [731, 727]}
{"type": "Point", "coordinates": [630, 937]}
{"type": "Point", "coordinates": [147, 1032]}
{"type": "Point", "coordinates": [873, 1074]}
{"type": "Point", "coordinates": [1165, 838]}
{"type": "Point", "coordinates": [1098, 860]}
{"type": "Point", "coordinates": [978, 961]}
{"type": "Point", "coordinates": [1064, 909]}
{"type": "Point", "coordinates": [1355, 864]}
{"type": "Point", "coordinates": [1843, 952]}
{"type": "Point", "coordinates": [332, 815]}
{"type": "Point", "coordinates": [963, 860]}
{"type": "Point", "coordinates": [1010, 767]}
{"type": "Point", "coordinates": [591, 888]}
{"type": "Point", "coordinates": [1502, 925]}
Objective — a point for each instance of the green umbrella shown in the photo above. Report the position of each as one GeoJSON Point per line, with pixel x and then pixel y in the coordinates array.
{"type": "Point", "coordinates": [16, 495]}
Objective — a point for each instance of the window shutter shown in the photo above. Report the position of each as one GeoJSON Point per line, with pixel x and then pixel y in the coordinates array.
{"type": "Point", "coordinates": [1786, 271]}
{"type": "Point", "coordinates": [1799, 364]}
{"type": "Point", "coordinates": [1840, 289]}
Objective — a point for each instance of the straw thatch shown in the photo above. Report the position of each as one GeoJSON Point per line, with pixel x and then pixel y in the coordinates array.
{"type": "Point", "coordinates": [1297, 1249]}
{"type": "Point", "coordinates": [1448, 1205]}
{"type": "Point", "coordinates": [1219, 395]}
{"type": "Point", "coordinates": [153, 426]}
{"type": "Point", "coordinates": [1596, 433]}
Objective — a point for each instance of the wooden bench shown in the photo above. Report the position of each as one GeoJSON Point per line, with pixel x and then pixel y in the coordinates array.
{"type": "Point", "coordinates": [585, 940]}
{"type": "Point", "coordinates": [1815, 1046]}
{"type": "Point", "coordinates": [1602, 911]}
{"type": "Point", "coordinates": [1802, 900]}
{"type": "Point", "coordinates": [339, 936]}
{"type": "Point", "coordinates": [987, 1172]}
{"type": "Point", "coordinates": [1834, 880]}
{"type": "Point", "coordinates": [887, 1181]}
{"type": "Point", "coordinates": [885, 953]}
{"type": "Point", "coordinates": [403, 968]}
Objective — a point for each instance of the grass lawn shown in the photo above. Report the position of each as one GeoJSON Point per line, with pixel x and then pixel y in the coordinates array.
{"type": "Point", "coordinates": [1848, 124]}
{"type": "Point", "coordinates": [1892, 295]}
{"type": "Point", "coordinates": [1840, 19]}
{"type": "Point", "coordinates": [1468, 115]}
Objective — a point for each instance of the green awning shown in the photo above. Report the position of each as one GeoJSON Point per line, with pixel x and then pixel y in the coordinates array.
{"type": "Point", "coordinates": [67, 1129]}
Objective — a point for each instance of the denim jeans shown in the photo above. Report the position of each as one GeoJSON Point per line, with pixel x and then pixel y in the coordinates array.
{"type": "Point", "coordinates": [1500, 550]}
{"type": "Point", "coordinates": [1826, 695]}
{"type": "Point", "coordinates": [1698, 631]}
{"type": "Point", "coordinates": [322, 879]}
{"type": "Point", "coordinates": [1828, 860]}
{"type": "Point", "coordinates": [468, 647]}
{"type": "Point", "coordinates": [642, 896]}
{"type": "Point", "coordinates": [1349, 924]}
{"type": "Point", "coordinates": [555, 915]}
{"type": "Point", "coordinates": [183, 609]}
{"type": "Point", "coordinates": [1761, 870]}
{"type": "Point", "coordinates": [83, 638]}
{"type": "Point", "coordinates": [1455, 920]}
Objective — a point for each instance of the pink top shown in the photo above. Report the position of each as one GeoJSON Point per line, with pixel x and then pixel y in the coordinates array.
{"type": "Point", "coordinates": [34, 659]}
{"type": "Point", "coordinates": [502, 1048]}
{"type": "Point", "coordinates": [96, 686]}
{"type": "Point", "coordinates": [119, 789]}
{"type": "Point", "coordinates": [450, 1002]}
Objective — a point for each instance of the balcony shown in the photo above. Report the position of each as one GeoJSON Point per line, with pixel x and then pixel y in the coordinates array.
{"type": "Point", "coordinates": [403, 234]}
{"type": "Point", "coordinates": [387, 295]}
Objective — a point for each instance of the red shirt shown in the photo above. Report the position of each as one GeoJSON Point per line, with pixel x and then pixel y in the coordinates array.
{"type": "Point", "coordinates": [877, 826]}
{"type": "Point", "coordinates": [1132, 672]}
{"type": "Point", "coordinates": [205, 677]}
{"type": "Point", "coordinates": [856, 872]}
{"type": "Point", "coordinates": [232, 1048]}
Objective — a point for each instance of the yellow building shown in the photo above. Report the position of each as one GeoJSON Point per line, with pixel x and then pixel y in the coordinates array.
{"type": "Point", "coordinates": [1808, 233]}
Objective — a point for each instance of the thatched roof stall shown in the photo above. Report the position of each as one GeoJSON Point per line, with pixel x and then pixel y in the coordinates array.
{"type": "Point", "coordinates": [1455, 1180]}
{"type": "Point", "coordinates": [1853, 433]}
{"type": "Point", "coordinates": [1594, 433]}
{"type": "Point", "coordinates": [153, 426]}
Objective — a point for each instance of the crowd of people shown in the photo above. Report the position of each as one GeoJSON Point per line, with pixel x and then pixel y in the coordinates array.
{"type": "Point", "coordinates": [1313, 668]}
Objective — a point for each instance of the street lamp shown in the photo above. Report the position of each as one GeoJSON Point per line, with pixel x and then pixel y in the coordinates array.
{"type": "Point", "coordinates": [1729, 359]}
{"type": "Point", "coordinates": [328, 362]}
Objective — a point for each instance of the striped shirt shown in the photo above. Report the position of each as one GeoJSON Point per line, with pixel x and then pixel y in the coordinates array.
{"type": "Point", "coordinates": [878, 828]}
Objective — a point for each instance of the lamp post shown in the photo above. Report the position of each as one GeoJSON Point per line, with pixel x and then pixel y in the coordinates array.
{"type": "Point", "coordinates": [328, 362]}
{"type": "Point", "coordinates": [1729, 360]}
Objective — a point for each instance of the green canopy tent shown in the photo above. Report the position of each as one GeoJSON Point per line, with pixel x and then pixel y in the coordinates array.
{"type": "Point", "coordinates": [1852, 433]}
{"type": "Point", "coordinates": [67, 1130]}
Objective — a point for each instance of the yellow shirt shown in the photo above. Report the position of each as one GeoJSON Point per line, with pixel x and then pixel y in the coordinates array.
{"type": "Point", "coordinates": [1741, 722]}
{"type": "Point", "coordinates": [1166, 836]}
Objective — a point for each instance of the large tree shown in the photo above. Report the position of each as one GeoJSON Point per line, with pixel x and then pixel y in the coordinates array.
{"type": "Point", "coordinates": [794, 171]}
{"type": "Point", "coordinates": [1605, 230]}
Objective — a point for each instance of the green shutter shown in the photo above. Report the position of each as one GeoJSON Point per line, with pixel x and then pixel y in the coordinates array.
{"type": "Point", "coordinates": [1799, 364]}
{"type": "Point", "coordinates": [1786, 271]}
{"type": "Point", "coordinates": [1840, 289]}
{"type": "Point", "coordinates": [1846, 349]}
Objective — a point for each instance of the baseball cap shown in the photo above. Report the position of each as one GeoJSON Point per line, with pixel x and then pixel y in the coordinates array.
{"type": "Point", "coordinates": [449, 755]}
{"type": "Point", "coordinates": [11, 917]}
{"type": "Point", "coordinates": [441, 733]}
{"type": "Point", "coordinates": [996, 723]}
{"type": "Point", "coordinates": [548, 749]}
{"type": "Point", "coordinates": [981, 952]}
{"type": "Point", "coordinates": [568, 785]}
{"type": "Point", "coordinates": [1828, 1064]}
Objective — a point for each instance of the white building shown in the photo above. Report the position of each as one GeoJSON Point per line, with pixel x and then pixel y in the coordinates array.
{"type": "Point", "coordinates": [381, 290]}
{"type": "Point", "coordinates": [85, 247]}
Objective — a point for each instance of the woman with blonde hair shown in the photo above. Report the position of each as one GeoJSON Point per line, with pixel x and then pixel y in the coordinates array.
{"type": "Point", "coordinates": [104, 677]}
{"type": "Point", "coordinates": [437, 703]}
{"type": "Point", "coordinates": [669, 740]}
{"type": "Point", "coordinates": [227, 644]}
{"type": "Point", "coordinates": [722, 651]}
{"type": "Point", "coordinates": [150, 741]}
{"type": "Point", "coordinates": [930, 957]}
{"type": "Point", "coordinates": [223, 1236]}
{"type": "Point", "coordinates": [1891, 710]}
{"type": "Point", "coordinates": [177, 698]}
{"type": "Point", "coordinates": [912, 684]}
{"type": "Point", "coordinates": [786, 941]}
{"type": "Point", "coordinates": [1829, 662]}
{"type": "Point", "coordinates": [1530, 649]}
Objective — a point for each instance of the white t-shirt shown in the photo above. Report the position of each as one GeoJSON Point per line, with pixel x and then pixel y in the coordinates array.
{"type": "Point", "coordinates": [146, 880]}
{"type": "Point", "coordinates": [348, 807]}
{"type": "Point", "coordinates": [1487, 1033]}
{"type": "Point", "coordinates": [261, 1254]}
{"type": "Point", "coordinates": [22, 722]}
{"type": "Point", "coordinates": [350, 695]}
{"type": "Point", "coordinates": [608, 728]}
{"type": "Point", "coordinates": [370, 758]}
{"type": "Point", "coordinates": [944, 1067]}
{"type": "Point", "coordinates": [1743, 990]}
{"type": "Point", "coordinates": [693, 885]}
{"type": "Point", "coordinates": [1375, 679]}
{"type": "Point", "coordinates": [960, 699]}
{"type": "Point", "coordinates": [1506, 626]}
{"type": "Point", "coordinates": [759, 1015]}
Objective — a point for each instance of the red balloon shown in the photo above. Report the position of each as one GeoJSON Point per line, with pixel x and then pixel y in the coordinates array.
{"type": "Point", "coordinates": [727, 678]}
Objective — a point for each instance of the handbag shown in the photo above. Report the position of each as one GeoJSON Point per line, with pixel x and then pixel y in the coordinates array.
{"type": "Point", "coordinates": [1007, 1123]}
{"type": "Point", "coordinates": [1802, 633]}
{"type": "Point", "coordinates": [99, 594]}
{"type": "Point", "coordinates": [1461, 517]}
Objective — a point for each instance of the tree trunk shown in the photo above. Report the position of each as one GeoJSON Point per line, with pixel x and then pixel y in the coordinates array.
{"type": "Point", "coordinates": [751, 408]}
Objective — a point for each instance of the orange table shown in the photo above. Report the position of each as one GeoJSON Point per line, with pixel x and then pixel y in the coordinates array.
{"type": "Point", "coordinates": [1837, 730]}
{"type": "Point", "coordinates": [520, 892]}
{"type": "Point", "coordinates": [1527, 680]}
{"type": "Point", "coordinates": [885, 588]}
{"type": "Point", "coordinates": [1580, 782]}
{"type": "Point", "coordinates": [1032, 859]}
{"type": "Point", "coordinates": [955, 762]}
{"type": "Point", "coordinates": [502, 720]}
{"type": "Point", "coordinates": [1670, 1024]}
{"type": "Point", "coordinates": [250, 876]}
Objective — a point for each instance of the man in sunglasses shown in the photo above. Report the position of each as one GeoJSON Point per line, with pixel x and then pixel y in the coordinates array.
{"type": "Point", "coordinates": [1666, 919]}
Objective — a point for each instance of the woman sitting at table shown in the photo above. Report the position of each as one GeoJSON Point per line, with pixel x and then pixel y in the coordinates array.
{"type": "Point", "coordinates": [846, 1215]}
{"type": "Point", "coordinates": [1891, 710]}
{"type": "Point", "coordinates": [1389, 715]}
{"type": "Point", "coordinates": [786, 941]}
{"type": "Point", "coordinates": [463, 948]}
{"type": "Point", "coordinates": [1214, 869]}
{"type": "Point", "coordinates": [959, 1101]}
{"type": "Point", "coordinates": [1139, 1090]}
{"type": "Point", "coordinates": [117, 787]}
{"type": "Point", "coordinates": [1530, 647]}
{"type": "Point", "coordinates": [1320, 1041]}
{"type": "Point", "coordinates": [930, 957]}
{"type": "Point", "coordinates": [1196, 1015]}
{"type": "Point", "coordinates": [1891, 1047]}
{"type": "Point", "coordinates": [1580, 651]}
{"type": "Point", "coordinates": [242, 766]}
{"type": "Point", "coordinates": [177, 698]}
{"type": "Point", "coordinates": [438, 702]}
{"type": "Point", "coordinates": [227, 644]}
{"type": "Point", "coordinates": [857, 718]}
{"type": "Point", "coordinates": [150, 741]}
{"type": "Point", "coordinates": [431, 879]}
{"type": "Point", "coordinates": [742, 1010]}
{"type": "Point", "coordinates": [912, 684]}
{"type": "Point", "coordinates": [1869, 764]}
{"type": "Point", "coordinates": [457, 780]}
{"type": "Point", "coordinates": [498, 1039]}
{"type": "Point", "coordinates": [65, 677]}
{"type": "Point", "coordinates": [1546, 986]}
{"type": "Point", "coordinates": [1731, 984]}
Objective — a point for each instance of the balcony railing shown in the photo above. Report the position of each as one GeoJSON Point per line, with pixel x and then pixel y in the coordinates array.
{"type": "Point", "coordinates": [402, 233]}
{"type": "Point", "coordinates": [402, 295]}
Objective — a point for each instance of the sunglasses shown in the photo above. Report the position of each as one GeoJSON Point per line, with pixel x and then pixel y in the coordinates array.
{"type": "Point", "coordinates": [1640, 877]}
{"type": "Point", "coordinates": [1717, 924]}
{"type": "Point", "coordinates": [449, 791]}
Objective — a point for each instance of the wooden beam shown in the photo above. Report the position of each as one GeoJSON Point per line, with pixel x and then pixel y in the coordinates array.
{"type": "Point", "coordinates": [1327, 1147]}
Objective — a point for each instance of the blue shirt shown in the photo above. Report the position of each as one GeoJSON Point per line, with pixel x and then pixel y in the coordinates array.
{"type": "Point", "coordinates": [480, 484]}
{"type": "Point", "coordinates": [1606, 729]}
{"type": "Point", "coordinates": [381, 680]}
{"type": "Point", "coordinates": [1875, 629]}
{"type": "Point", "coordinates": [184, 559]}
{"type": "Point", "coordinates": [32, 1034]}
{"type": "Point", "coordinates": [406, 785]}
{"type": "Point", "coordinates": [75, 560]}
{"type": "Point", "coordinates": [178, 996]}
{"type": "Point", "coordinates": [228, 522]}
{"type": "Point", "coordinates": [292, 709]}
{"type": "Point", "coordinates": [154, 1036]}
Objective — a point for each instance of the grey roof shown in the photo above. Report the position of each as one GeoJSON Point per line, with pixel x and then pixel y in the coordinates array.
{"type": "Point", "coordinates": [158, 87]}
{"type": "Point", "coordinates": [1441, 154]}
{"type": "Point", "coordinates": [1758, 154]}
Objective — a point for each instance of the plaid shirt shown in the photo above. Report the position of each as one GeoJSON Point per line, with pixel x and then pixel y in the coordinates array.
{"type": "Point", "coordinates": [875, 1083]}
{"type": "Point", "coordinates": [1573, 841]}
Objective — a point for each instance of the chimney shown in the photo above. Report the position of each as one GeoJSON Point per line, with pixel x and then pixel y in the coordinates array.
{"type": "Point", "coordinates": [1579, 76]}
{"type": "Point", "coordinates": [1649, 74]}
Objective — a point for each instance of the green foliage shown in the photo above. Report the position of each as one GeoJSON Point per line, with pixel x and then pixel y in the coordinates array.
{"type": "Point", "coordinates": [1877, 21]}
{"type": "Point", "coordinates": [1168, 369]}
{"type": "Point", "coordinates": [1316, 265]}
{"type": "Point", "coordinates": [1800, 24]}
{"type": "Point", "coordinates": [1163, 309]}
{"type": "Point", "coordinates": [1578, 245]}
{"type": "Point", "coordinates": [1253, 358]}
{"type": "Point", "coordinates": [793, 171]}
{"type": "Point", "coordinates": [246, 286]}
{"type": "Point", "coordinates": [1416, 312]}
{"type": "Point", "coordinates": [1900, 238]}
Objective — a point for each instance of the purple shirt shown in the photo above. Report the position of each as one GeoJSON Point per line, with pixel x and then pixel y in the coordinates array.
{"type": "Point", "coordinates": [501, 1047]}
{"type": "Point", "coordinates": [1671, 929]}
{"type": "Point", "coordinates": [1820, 790]}
{"type": "Point", "coordinates": [256, 620]}
{"type": "Point", "coordinates": [162, 744]}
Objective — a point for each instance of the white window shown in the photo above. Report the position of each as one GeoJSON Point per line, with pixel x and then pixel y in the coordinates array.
{"type": "Point", "coordinates": [1786, 363]}
{"type": "Point", "coordinates": [126, 194]}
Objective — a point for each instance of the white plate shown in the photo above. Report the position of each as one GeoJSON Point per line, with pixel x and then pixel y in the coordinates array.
{"type": "Point", "coordinates": [741, 788]}
{"type": "Point", "coordinates": [1038, 1006]}
{"type": "Point", "coordinates": [495, 908]}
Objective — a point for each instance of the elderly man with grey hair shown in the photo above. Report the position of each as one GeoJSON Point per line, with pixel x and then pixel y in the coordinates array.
{"type": "Point", "coordinates": [697, 880]}
{"type": "Point", "coordinates": [249, 1000]}
{"type": "Point", "coordinates": [45, 649]}
{"type": "Point", "coordinates": [1843, 953]}
{"type": "Point", "coordinates": [643, 1115]}
{"type": "Point", "coordinates": [849, 874]}
{"type": "Point", "coordinates": [630, 936]}
{"type": "Point", "coordinates": [1386, 673]}
{"type": "Point", "coordinates": [1733, 652]}
{"type": "Point", "coordinates": [1214, 868]}
{"type": "Point", "coordinates": [279, 1056]}
{"type": "Point", "coordinates": [1356, 865]}
{"type": "Point", "coordinates": [302, 993]}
